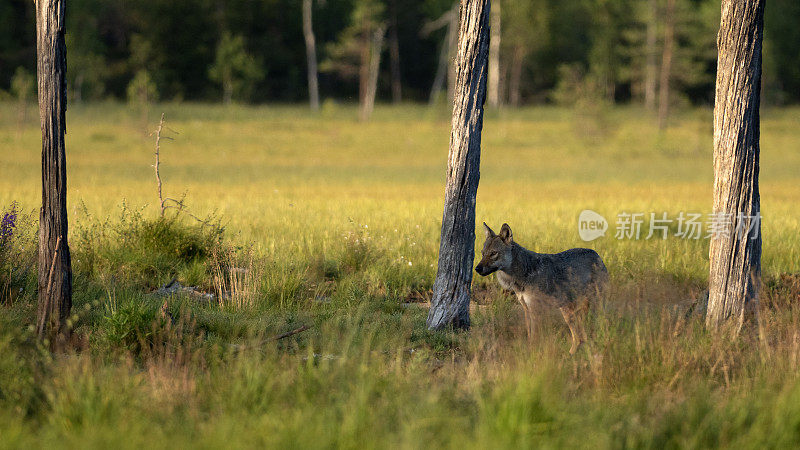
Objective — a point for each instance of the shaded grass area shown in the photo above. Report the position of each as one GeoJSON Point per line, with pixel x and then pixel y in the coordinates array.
{"type": "Point", "coordinates": [323, 222]}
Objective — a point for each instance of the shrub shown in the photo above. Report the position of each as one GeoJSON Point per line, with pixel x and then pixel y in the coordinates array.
{"type": "Point", "coordinates": [144, 252]}
{"type": "Point", "coordinates": [18, 254]}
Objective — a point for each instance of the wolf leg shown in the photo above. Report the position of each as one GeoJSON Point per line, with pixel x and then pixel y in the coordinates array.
{"type": "Point", "coordinates": [526, 311]}
{"type": "Point", "coordinates": [569, 316]}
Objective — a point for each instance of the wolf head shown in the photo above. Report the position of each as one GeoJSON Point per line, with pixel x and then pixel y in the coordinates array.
{"type": "Point", "coordinates": [496, 253]}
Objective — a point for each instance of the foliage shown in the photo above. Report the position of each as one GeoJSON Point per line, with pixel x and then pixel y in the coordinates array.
{"type": "Point", "coordinates": [142, 90]}
{"type": "Point", "coordinates": [18, 252]}
{"type": "Point", "coordinates": [173, 42]}
{"type": "Point", "coordinates": [349, 55]}
{"type": "Point", "coordinates": [347, 246]}
{"type": "Point", "coordinates": [23, 85]}
{"type": "Point", "coordinates": [234, 68]}
{"type": "Point", "coordinates": [145, 252]}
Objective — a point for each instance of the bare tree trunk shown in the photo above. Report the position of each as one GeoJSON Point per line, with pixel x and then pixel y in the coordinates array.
{"type": "Point", "coordinates": [394, 56]}
{"type": "Point", "coordinates": [515, 77]}
{"type": "Point", "coordinates": [735, 255]}
{"type": "Point", "coordinates": [311, 55]}
{"type": "Point", "coordinates": [376, 47]}
{"type": "Point", "coordinates": [443, 70]}
{"type": "Point", "coordinates": [494, 57]}
{"type": "Point", "coordinates": [451, 290]}
{"type": "Point", "coordinates": [227, 92]}
{"type": "Point", "coordinates": [650, 56]}
{"type": "Point", "coordinates": [363, 67]}
{"type": "Point", "coordinates": [451, 55]}
{"type": "Point", "coordinates": [666, 64]}
{"type": "Point", "coordinates": [55, 268]}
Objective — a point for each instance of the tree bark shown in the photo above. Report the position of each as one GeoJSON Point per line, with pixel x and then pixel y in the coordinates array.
{"type": "Point", "coordinates": [55, 269]}
{"type": "Point", "coordinates": [394, 56]}
{"type": "Point", "coordinates": [376, 47]}
{"type": "Point", "coordinates": [311, 55]}
{"type": "Point", "coordinates": [650, 57]}
{"type": "Point", "coordinates": [735, 256]}
{"type": "Point", "coordinates": [451, 289]}
{"type": "Point", "coordinates": [666, 64]}
{"type": "Point", "coordinates": [494, 57]}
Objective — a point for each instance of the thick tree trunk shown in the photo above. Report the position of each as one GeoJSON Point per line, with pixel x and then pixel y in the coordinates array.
{"type": "Point", "coordinates": [666, 64]}
{"type": "Point", "coordinates": [311, 55]}
{"type": "Point", "coordinates": [451, 290]}
{"type": "Point", "coordinates": [394, 56]}
{"type": "Point", "coordinates": [376, 47]}
{"type": "Point", "coordinates": [650, 57]}
{"type": "Point", "coordinates": [735, 255]}
{"type": "Point", "coordinates": [494, 57]}
{"type": "Point", "coordinates": [55, 269]}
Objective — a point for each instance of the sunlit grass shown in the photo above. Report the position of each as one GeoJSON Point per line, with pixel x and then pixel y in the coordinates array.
{"type": "Point", "coordinates": [334, 223]}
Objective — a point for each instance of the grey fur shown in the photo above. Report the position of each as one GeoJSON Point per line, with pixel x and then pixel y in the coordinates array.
{"type": "Point", "coordinates": [566, 280]}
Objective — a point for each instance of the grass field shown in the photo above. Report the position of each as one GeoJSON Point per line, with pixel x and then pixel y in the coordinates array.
{"type": "Point", "coordinates": [335, 224]}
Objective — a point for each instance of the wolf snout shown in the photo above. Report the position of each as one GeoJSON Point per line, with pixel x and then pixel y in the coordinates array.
{"type": "Point", "coordinates": [482, 270]}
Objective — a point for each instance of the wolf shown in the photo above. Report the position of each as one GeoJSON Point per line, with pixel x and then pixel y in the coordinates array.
{"type": "Point", "coordinates": [566, 280]}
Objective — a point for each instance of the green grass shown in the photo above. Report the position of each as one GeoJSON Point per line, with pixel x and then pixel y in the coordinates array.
{"type": "Point", "coordinates": [324, 221]}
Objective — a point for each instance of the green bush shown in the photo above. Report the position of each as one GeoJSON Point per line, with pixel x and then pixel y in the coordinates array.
{"type": "Point", "coordinates": [145, 252]}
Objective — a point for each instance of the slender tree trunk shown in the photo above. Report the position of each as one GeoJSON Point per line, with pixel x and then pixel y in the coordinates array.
{"type": "Point", "coordinates": [227, 91]}
{"type": "Point", "coordinates": [311, 55]}
{"type": "Point", "coordinates": [666, 64]}
{"type": "Point", "coordinates": [394, 55]}
{"type": "Point", "coordinates": [494, 57]}
{"type": "Point", "coordinates": [443, 70]}
{"type": "Point", "coordinates": [363, 67]}
{"type": "Point", "coordinates": [451, 290]}
{"type": "Point", "coordinates": [376, 48]}
{"type": "Point", "coordinates": [451, 55]}
{"type": "Point", "coordinates": [735, 255]}
{"type": "Point", "coordinates": [515, 77]}
{"type": "Point", "coordinates": [650, 56]}
{"type": "Point", "coordinates": [55, 268]}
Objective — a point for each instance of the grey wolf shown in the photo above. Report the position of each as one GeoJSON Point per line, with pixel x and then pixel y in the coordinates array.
{"type": "Point", "coordinates": [566, 280]}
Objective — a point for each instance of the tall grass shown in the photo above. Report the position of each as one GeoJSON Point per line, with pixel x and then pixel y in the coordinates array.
{"type": "Point", "coordinates": [331, 226]}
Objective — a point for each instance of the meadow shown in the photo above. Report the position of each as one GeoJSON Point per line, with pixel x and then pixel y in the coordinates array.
{"type": "Point", "coordinates": [320, 221]}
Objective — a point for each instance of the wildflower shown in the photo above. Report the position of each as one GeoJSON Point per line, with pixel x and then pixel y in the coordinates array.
{"type": "Point", "coordinates": [8, 223]}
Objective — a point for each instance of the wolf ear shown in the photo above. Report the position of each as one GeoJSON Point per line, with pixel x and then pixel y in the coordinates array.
{"type": "Point", "coordinates": [489, 232]}
{"type": "Point", "coordinates": [505, 234]}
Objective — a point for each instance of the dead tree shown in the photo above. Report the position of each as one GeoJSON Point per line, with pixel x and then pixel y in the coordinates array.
{"type": "Point", "coordinates": [735, 252]}
{"type": "Point", "coordinates": [448, 20]}
{"type": "Point", "coordinates": [55, 268]}
{"type": "Point", "coordinates": [650, 56]}
{"type": "Point", "coordinates": [311, 55]}
{"type": "Point", "coordinates": [494, 57]}
{"type": "Point", "coordinates": [666, 64]}
{"type": "Point", "coordinates": [394, 57]}
{"type": "Point", "coordinates": [451, 289]}
{"type": "Point", "coordinates": [375, 50]}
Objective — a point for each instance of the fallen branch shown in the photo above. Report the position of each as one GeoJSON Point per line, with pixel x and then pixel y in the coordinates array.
{"type": "Point", "coordinates": [291, 333]}
{"type": "Point", "coordinates": [46, 307]}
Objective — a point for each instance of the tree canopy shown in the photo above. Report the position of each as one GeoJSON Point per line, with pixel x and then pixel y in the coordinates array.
{"type": "Point", "coordinates": [196, 49]}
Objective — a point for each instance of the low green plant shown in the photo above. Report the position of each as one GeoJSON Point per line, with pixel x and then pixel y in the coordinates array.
{"type": "Point", "coordinates": [143, 251]}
